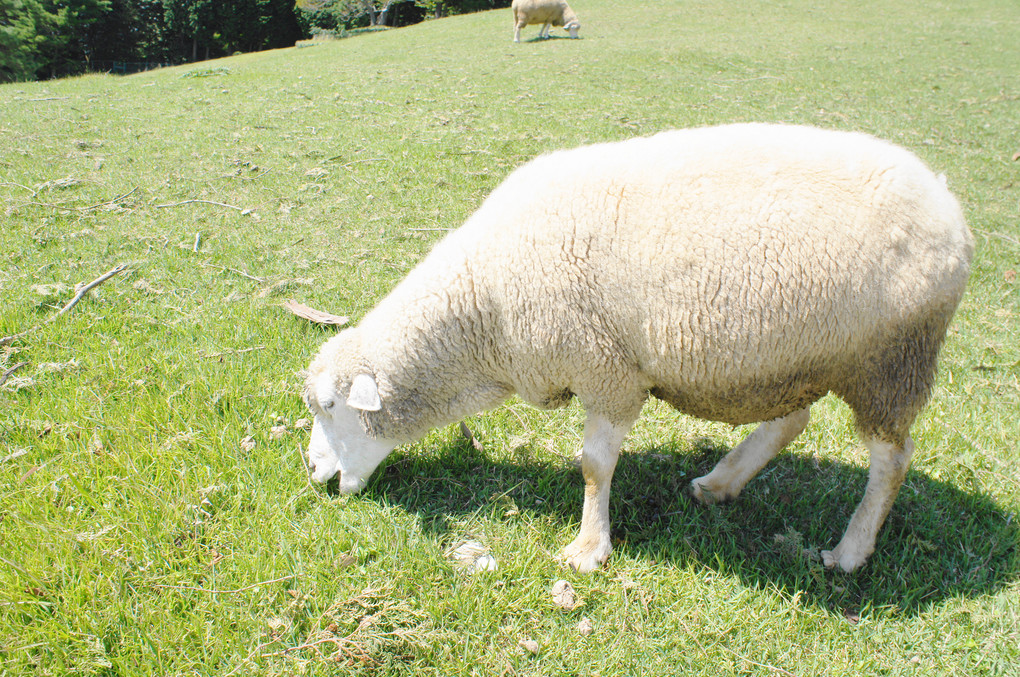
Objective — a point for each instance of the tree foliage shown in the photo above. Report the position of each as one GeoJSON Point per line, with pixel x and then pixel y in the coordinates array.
{"type": "Point", "coordinates": [447, 7]}
{"type": "Point", "coordinates": [53, 38]}
{"type": "Point", "coordinates": [339, 15]}
{"type": "Point", "coordinates": [38, 35]}
{"type": "Point", "coordinates": [24, 25]}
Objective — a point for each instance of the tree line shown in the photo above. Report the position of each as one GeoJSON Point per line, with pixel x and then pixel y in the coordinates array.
{"type": "Point", "coordinates": [41, 39]}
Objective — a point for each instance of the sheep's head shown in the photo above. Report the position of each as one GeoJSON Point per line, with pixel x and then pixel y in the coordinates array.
{"type": "Point", "coordinates": [338, 397]}
{"type": "Point", "coordinates": [571, 23]}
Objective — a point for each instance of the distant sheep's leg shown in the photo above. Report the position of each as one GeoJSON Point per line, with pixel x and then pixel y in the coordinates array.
{"type": "Point", "coordinates": [601, 448]}
{"type": "Point", "coordinates": [544, 33]}
{"type": "Point", "coordinates": [889, 463]}
{"type": "Point", "coordinates": [517, 33]}
{"type": "Point", "coordinates": [744, 461]}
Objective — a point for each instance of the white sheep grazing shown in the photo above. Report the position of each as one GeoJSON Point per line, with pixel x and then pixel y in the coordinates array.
{"type": "Point", "coordinates": [546, 12]}
{"type": "Point", "coordinates": [739, 273]}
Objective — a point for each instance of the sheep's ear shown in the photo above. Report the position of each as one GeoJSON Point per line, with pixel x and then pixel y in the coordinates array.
{"type": "Point", "coordinates": [364, 394]}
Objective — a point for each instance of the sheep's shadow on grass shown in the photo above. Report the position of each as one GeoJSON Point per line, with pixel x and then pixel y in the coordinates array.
{"type": "Point", "coordinates": [551, 38]}
{"type": "Point", "coordinates": [940, 541]}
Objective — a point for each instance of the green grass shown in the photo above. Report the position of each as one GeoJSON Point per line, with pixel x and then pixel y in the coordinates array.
{"type": "Point", "coordinates": [138, 537]}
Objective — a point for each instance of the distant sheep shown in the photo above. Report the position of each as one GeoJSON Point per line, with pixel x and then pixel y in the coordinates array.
{"type": "Point", "coordinates": [739, 273]}
{"type": "Point", "coordinates": [546, 12]}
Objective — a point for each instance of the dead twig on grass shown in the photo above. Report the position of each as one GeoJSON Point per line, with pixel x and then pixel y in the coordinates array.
{"type": "Point", "coordinates": [114, 201]}
{"type": "Point", "coordinates": [7, 374]}
{"type": "Point", "coordinates": [308, 471]}
{"type": "Point", "coordinates": [17, 454]}
{"type": "Point", "coordinates": [236, 272]}
{"type": "Point", "coordinates": [313, 315]}
{"type": "Point", "coordinates": [251, 655]}
{"type": "Point", "coordinates": [338, 642]}
{"type": "Point", "coordinates": [239, 351]}
{"type": "Point", "coordinates": [87, 288]}
{"type": "Point", "coordinates": [347, 165]}
{"type": "Point", "coordinates": [201, 202]}
{"type": "Point", "coordinates": [18, 185]}
{"type": "Point", "coordinates": [246, 178]}
{"type": "Point", "coordinates": [466, 432]}
{"type": "Point", "coordinates": [63, 205]}
{"type": "Point", "coordinates": [223, 592]}
{"type": "Point", "coordinates": [4, 340]}
{"type": "Point", "coordinates": [79, 295]}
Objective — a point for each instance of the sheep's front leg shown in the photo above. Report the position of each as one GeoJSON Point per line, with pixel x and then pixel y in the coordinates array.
{"type": "Point", "coordinates": [744, 461]}
{"type": "Point", "coordinates": [543, 33]}
{"type": "Point", "coordinates": [889, 463]}
{"type": "Point", "coordinates": [601, 448]}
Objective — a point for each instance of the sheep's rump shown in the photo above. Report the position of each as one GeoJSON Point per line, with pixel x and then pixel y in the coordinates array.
{"type": "Point", "coordinates": [741, 271]}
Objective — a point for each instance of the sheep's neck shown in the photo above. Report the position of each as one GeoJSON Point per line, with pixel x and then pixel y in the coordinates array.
{"type": "Point", "coordinates": [434, 358]}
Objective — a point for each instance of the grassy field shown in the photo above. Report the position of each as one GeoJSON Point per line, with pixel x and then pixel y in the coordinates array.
{"type": "Point", "coordinates": [155, 515]}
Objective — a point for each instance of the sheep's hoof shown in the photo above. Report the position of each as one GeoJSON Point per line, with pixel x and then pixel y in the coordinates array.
{"type": "Point", "coordinates": [707, 492]}
{"type": "Point", "coordinates": [584, 557]}
{"type": "Point", "coordinates": [847, 562]}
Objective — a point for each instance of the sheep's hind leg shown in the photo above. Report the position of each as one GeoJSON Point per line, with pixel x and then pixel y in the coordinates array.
{"type": "Point", "coordinates": [601, 449]}
{"type": "Point", "coordinates": [889, 464]}
{"type": "Point", "coordinates": [744, 461]}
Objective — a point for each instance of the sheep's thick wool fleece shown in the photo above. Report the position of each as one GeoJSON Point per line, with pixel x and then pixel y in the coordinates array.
{"type": "Point", "coordinates": [555, 12]}
{"type": "Point", "coordinates": [738, 272]}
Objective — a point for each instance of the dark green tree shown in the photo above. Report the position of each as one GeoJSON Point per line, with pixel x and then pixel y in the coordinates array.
{"type": "Point", "coordinates": [251, 25]}
{"type": "Point", "coordinates": [440, 8]}
{"type": "Point", "coordinates": [28, 34]}
{"type": "Point", "coordinates": [119, 34]}
{"type": "Point", "coordinates": [202, 29]}
{"type": "Point", "coordinates": [339, 14]}
{"type": "Point", "coordinates": [188, 28]}
{"type": "Point", "coordinates": [68, 46]}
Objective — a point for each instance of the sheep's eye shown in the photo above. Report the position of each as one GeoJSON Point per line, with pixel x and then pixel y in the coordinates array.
{"type": "Point", "coordinates": [328, 406]}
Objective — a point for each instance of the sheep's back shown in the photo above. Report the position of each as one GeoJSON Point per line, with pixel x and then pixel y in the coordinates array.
{"type": "Point", "coordinates": [540, 11]}
{"type": "Point", "coordinates": [719, 260]}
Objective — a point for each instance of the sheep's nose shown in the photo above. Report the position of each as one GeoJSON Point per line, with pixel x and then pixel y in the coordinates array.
{"type": "Point", "coordinates": [323, 475]}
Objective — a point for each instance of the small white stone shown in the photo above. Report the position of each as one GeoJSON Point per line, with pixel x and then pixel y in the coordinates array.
{"type": "Point", "coordinates": [484, 563]}
{"type": "Point", "coordinates": [473, 557]}
{"type": "Point", "coordinates": [530, 645]}
{"type": "Point", "coordinates": [564, 596]}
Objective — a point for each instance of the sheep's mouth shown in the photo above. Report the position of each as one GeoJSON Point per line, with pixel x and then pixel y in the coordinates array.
{"type": "Point", "coordinates": [339, 481]}
{"type": "Point", "coordinates": [325, 479]}
{"type": "Point", "coordinates": [348, 484]}
{"type": "Point", "coordinates": [320, 476]}
{"type": "Point", "coordinates": [345, 483]}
